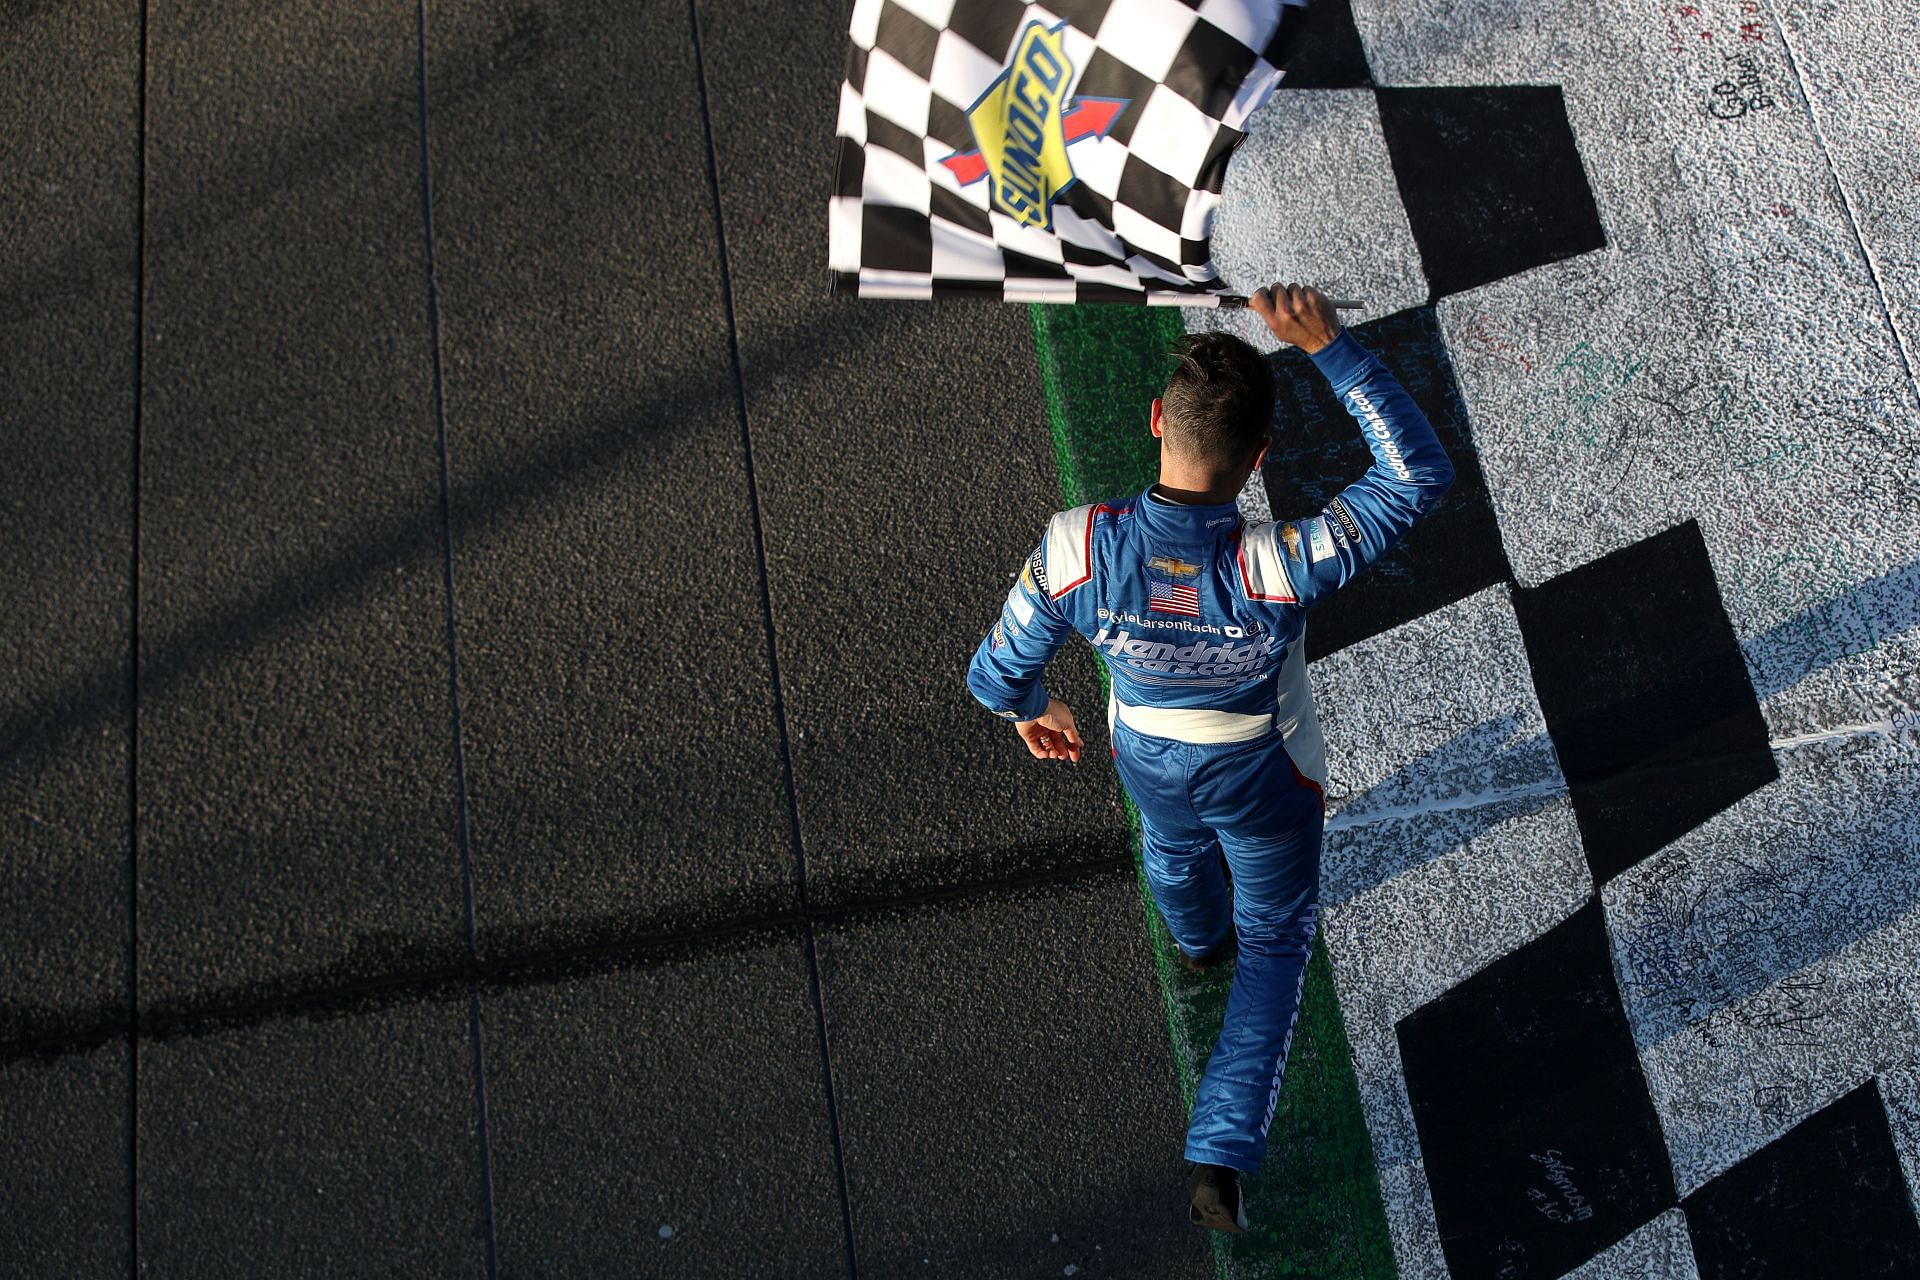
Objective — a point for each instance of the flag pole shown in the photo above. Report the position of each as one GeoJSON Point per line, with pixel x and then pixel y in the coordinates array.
{"type": "Point", "coordinates": [1237, 302]}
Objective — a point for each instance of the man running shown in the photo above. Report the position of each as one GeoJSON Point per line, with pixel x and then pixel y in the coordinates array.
{"type": "Point", "coordinates": [1199, 617]}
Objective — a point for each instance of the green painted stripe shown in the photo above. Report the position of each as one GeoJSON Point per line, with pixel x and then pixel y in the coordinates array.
{"type": "Point", "coordinates": [1315, 1206]}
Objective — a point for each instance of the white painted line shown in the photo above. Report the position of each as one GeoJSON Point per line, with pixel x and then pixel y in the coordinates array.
{"type": "Point", "coordinates": [1843, 733]}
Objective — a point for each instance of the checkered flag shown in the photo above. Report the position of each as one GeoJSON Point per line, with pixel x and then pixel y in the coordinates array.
{"type": "Point", "coordinates": [1061, 151]}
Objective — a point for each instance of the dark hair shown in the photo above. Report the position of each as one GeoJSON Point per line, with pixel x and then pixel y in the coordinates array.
{"type": "Point", "coordinates": [1218, 405]}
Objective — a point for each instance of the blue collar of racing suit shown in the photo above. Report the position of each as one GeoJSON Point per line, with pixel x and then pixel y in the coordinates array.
{"type": "Point", "coordinates": [1184, 522]}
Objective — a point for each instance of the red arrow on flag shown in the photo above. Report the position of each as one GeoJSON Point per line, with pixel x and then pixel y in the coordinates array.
{"type": "Point", "coordinates": [1085, 118]}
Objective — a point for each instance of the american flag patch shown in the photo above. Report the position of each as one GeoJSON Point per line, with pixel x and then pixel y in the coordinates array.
{"type": "Point", "coordinates": [1170, 597]}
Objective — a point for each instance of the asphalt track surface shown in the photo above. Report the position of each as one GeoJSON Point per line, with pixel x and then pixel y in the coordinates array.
{"type": "Point", "coordinates": [551, 835]}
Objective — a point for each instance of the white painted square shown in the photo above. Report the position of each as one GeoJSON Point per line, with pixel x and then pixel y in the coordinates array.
{"type": "Point", "coordinates": [852, 119]}
{"type": "Point", "coordinates": [1143, 232]}
{"type": "Point", "coordinates": [1253, 91]}
{"type": "Point", "coordinates": [1172, 134]}
{"type": "Point", "coordinates": [1472, 42]}
{"type": "Point", "coordinates": [1458, 732]}
{"type": "Point", "coordinates": [892, 179]}
{"type": "Point", "coordinates": [1196, 222]}
{"type": "Point", "coordinates": [843, 233]}
{"type": "Point", "coordinates": [1034, 290]}
{"type": "Point", "coordinates": [1146, 34]}
{"type": "Point", "coordinates": [959, 252]}
{"type": "Point", "coordinates": [1658, 1250]}
{"type": "Point", "coordinates": [1086, 233]}
{"type": "Point", "coordinates": [895, 92]}
{"type": "Point", "coordinates": [1251, 24]}
{"type": "Point", "coordinates": [865, 24]}
{"type": "Point", "coordinates": [1098, 163]}
{"type": "Point", "coordinates": [1035, 242]}
{"type": "Point", "coordinates": [1766, 958]}
{"type": "Point", "coordinates": [911, 285]}
{"type": "Point", "coordinates": [1117, 276]}
{"type": "Point", "coordinates": [961, 73]}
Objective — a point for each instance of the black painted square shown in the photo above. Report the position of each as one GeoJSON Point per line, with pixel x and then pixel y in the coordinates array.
{"type": "Point", "coordinates": [1317, 451]}
{"type": "Point", "coordinates": [989, 25]}
{"type": "Point", "coordinates": [1826, 1198]}
{"type": "Point", "coordinates": [961, 212]}
{"type": "Point", "coordinates": [1108, 77]}
{"type": "Point", "coordinates": [849, 168]}
{"type": "Point", "coordinates": [909, 40]}
{"type": "Point", "coordinates": [1024, 266]}
{"type": "Point", "coordinates": [1209, 68]}
{"type": "Point", "coordinates": [1646, 695]}
{"type": "Point", "coordinates": [1212, 175]}
{"type": "Point", "coordinates": [1147, 190]}
{"type": "Point", "coordinates": [947, 125]}
{"type": "Point", "coordinates": [1540, 1141]}
{"type": "Point", "coordinates": [1074, 254]}
{"type": "Point", "coordinates": [894, 239]}
{"type": "Point", "coordinates": [1491, 179]}
{"type": "Point", "coordinates": [1325, 53]}
{"type": "Point", "coordinates": [1085, 15]}
{"type": "Point", "coordinates": [882, 132]}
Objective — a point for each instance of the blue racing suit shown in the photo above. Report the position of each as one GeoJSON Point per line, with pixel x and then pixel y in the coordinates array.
{"type": "Point", "coordinates": [1199, 618]}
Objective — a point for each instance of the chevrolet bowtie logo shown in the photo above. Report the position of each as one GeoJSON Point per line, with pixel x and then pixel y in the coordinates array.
{"type": "Point", "coordinates": [1173, 568]}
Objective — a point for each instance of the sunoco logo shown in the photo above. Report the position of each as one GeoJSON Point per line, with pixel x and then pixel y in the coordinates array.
{"type": "Point", "coordinates": [1023, 125]}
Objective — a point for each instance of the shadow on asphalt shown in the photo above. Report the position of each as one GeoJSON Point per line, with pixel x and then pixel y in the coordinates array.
{"type": "Point", "coordinates": [548, 952]}
{"type": "Point", "coordinates": [39, 718]}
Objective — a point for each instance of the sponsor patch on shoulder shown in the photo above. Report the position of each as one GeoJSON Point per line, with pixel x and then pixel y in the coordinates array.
{"type": "Point", "coordinates": [1291, 536]}
{"type": "Point", "coordinates": [1319, 541]}
{"type": "Point", "coordinates": [999, 635]}
{"type": "Point", "coordinates": [1036, 571]}
{"type": "Point", "coordinates": [1020, 607]}
{"type": "Point", "coordinates": [1346, 528]}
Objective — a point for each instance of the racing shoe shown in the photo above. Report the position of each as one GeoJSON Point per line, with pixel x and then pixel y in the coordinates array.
{"type": "Point", "coordinates": [1211, 959]}
{"type": "Point", "coordinates": [1214, 1200]}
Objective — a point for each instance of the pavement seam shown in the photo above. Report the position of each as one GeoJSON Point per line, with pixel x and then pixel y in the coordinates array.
{"type": "Point", "coordinates": [133, 678]}
{"type": "Point", "coordinates": [477, 1037]}
{"type": "Point", "coordinates": [462, 829]}
{"type": "Point", "coordinates": [1846, 207]}
{"type": "Point", "coordinates": [773, 657]}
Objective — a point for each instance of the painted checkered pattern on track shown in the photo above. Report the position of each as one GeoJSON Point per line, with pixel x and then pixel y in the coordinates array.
{"type": "Point", "coordinates": [1622, 876]}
